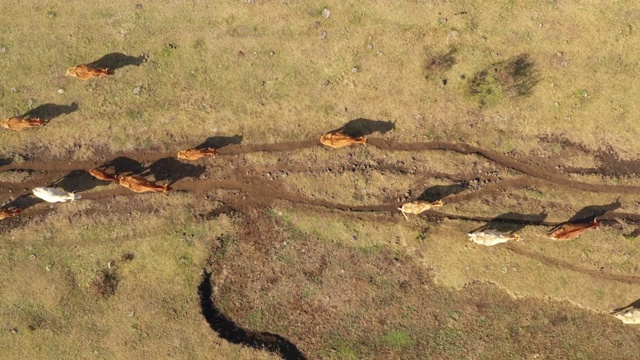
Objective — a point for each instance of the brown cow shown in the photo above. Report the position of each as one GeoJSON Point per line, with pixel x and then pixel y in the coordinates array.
{"type": "Point", "coordinates": [86, 71]}
{"type": "Point", "coordinates": [570, 231]}
{"type": "Point", "coordinates": [418, 206]}
{"type": "Point", "coordinates": [20, 123]}
{"type": "Point", "coordinates": [139, 184]}
{"type": "Point", "coordinates": [195, 154]}
{"type": "Point", "coordinates": [337, 139]}
{"type": "Point", "coordinates": [5, 213]}
{"type": "Point", "coordinates": [102, 175]}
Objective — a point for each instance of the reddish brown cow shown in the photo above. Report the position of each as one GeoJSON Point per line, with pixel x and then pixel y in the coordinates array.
{"type": "Point", "coordinates": [20, 123]}
{"type": "Point", "coordinates": [102, 175]}
{"type": "Point", "coordinates": [337, 139]}
{"type": "Point", "coordinates": [5, 213]}
{"type": "Point", "coordinates": [139, 184]}
{"type": "Point", "coordinates": [195, 154]}
{"type": "Point", "coordinates": [86, 71]}
{"type": "Point", "coordinates": [570, 231]}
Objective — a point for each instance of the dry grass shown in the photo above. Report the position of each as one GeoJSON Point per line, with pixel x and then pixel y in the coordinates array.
{"type": "Point", "coordinates": [337, 284]}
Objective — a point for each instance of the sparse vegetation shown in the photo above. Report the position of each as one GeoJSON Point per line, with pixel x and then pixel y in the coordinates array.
{"type": "Point", "coordinates": [512, 78]}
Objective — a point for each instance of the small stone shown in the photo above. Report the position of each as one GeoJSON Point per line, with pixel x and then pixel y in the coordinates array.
{"type": "Point", "coordinates": [137, 90]}
{"type": "Point", "coordinates": [13, 89]}
{"type": "Point", "coordinates": [60, 91]}
{"type": "Point", "coordinates": [355, 69]}
{"type": "Point", "coordinates": [14, 331]}
{"type": "Point", "coordinates": [3, 50]}
{"type": "Point", "coordinates": [30, 102]}
{"type": "Point", "coordinates": [322, 34]}
{"type": "Point", "coordinates": [32, 256]}
{"type": "Point", "coordinates": [326, 13]}
{"type": "Point", "coordinates": [47, 235]}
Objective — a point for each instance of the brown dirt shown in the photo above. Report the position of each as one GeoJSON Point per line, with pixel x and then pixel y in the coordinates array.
{"type": "Point", "coordinates": [312, 323]}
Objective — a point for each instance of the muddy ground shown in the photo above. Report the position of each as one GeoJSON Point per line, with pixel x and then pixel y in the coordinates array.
{"type": "Point", "coordinates": [280, 286]}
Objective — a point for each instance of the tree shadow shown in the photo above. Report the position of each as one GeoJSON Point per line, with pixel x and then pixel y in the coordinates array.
{"type": "Point", "coordinates": [23, 202]}
{"type": "Point", "coordinates": [77, 181]}
{"type": "Point", "coordinates": [588, 213]}
{"type": "Point", "coordinates": [172, 169]}
{"type": "Point", "coordinates": [511, 222]}
{"type": "Point", "coordinates": [122, 165]}
{"type": "Point", "coordinates": [231, 332]}
{"type": "Point", "coordinates": [439, 192]}
{"type": "Point", "coordinates": [114, 61]}
{"type": "Point", "coordinates": [635, 304]}
{"type": "Point", "coordinates": [47, 112]}
{"type": "Point", "coordinates": [218, 142]}
{"type": "Point", "coordinates": [361, 127]}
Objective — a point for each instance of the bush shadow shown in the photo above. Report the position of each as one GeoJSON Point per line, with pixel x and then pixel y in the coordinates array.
{"type": "Point", "coordinates": [361, 127]}
{"type": "Point", "coordinates": [48, 112]}
{"type": "Point", "coordinates": [588, 213]}
{"type": "Point", "coordinates": [171, 169]}
{"type": "Point", "coordinates": [511, 222]}
{"type": "Point", "coordinates": [115, 61]}
{"type": "Point", "coordinates": [218, 142]}
{"type": "Point", "coordinates": [228, 330]}
{"type": "Point", "coordinates": [439, 192]}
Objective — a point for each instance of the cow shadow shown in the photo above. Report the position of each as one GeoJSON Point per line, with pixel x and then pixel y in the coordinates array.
{"type": "Point", "coordinates": [635, 304]}
{"type": "Point", "coordinates": [218, 142]}
{"type": "Point", "coordinates": [48, 112]}
{"type": "Point", "coordinates": [4, 162]}
{"type": "Point", "coordinates": [511, 222]}
{"type": "Point", "coordinates": [77, 181]}
{"type": "Point", "coordinates": [588, 213]}
{"type": "Point", "coordinates": [439, 192]}
{"type": "Point", "coordinates": [230, 331]}
{"type": "Point", "coordinates": [23, 202]}
{"type": "Point", "coordinates": [361, 127]}
{"type": "Point", "coordinates": [122, 165]}
{"type": "Point", "coordinates": [115, 61]}
{"type": "Point", "coordinates": [171, 170]}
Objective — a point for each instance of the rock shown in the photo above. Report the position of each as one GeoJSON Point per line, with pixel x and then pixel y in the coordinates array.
{"type": "Point", "coordinates": [3, 50]}
{"type": "Point", "coordinates": [60, 91]}
{"type": "Point", "coordinates": [137, 90]}
{"type": "Point", "coordinates": [326, 13]}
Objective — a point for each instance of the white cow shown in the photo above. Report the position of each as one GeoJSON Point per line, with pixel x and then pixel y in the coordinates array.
{"type": "Point", "coordinates": [492, 237]}
{"type": "Point", "coordinates": [54, 195]}
{"type": "Point", "coordinates": [628, 315]}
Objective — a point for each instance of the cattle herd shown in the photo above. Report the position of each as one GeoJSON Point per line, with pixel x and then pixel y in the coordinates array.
{"type": "Point", "coordinates": [486, 235]}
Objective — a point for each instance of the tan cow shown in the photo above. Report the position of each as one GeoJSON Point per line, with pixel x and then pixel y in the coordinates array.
{"type": "Point", "coordinates": [491, 237]}
{"type": "Point", "coordinates": [140, 185]}
{"type": "Point", "coordinates": [336, 139]}
{"type": "Point", "coordinates": [195, 154]}
{"type": "Point", "coordinates": [418, 206]}
{"type": "Point", "coordinates": [570, 231]}
{"type": "Point", "coordinates": [5, 213]}
{"type": "Point", "coordinates": [86, 71]}
{"type": "Point", "coordinates": [102, 175]}
{"type": "Point", "coordinates": [20, 123]}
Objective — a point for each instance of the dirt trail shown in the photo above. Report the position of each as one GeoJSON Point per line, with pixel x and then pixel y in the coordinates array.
{"type": "Point", "coordinates": [261, 192]}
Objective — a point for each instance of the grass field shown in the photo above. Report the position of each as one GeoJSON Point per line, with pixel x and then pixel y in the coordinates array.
{"type": "Point", "coordinates": [278, 247]}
